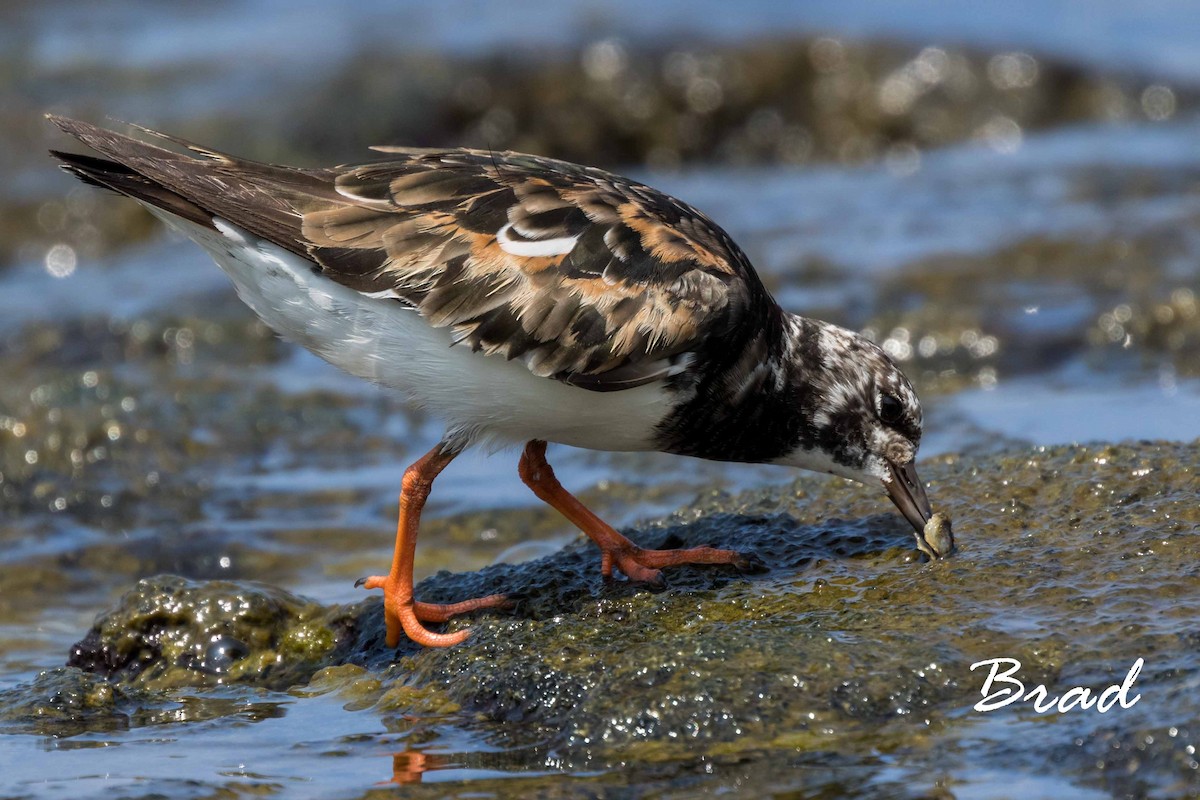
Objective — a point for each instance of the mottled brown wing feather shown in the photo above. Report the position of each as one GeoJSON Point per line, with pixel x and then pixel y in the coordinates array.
{"type": "Point", "coordinates": [585, 276]}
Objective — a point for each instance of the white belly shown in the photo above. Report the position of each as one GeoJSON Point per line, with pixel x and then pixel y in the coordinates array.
{"type": "Point", "coordinates": [479, 396]}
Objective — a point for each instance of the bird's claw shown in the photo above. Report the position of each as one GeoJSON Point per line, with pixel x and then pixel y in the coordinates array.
{"type": "Point", "coordinates": [656, 584]}
{"type": "Point", "coordinates": [750, 564]}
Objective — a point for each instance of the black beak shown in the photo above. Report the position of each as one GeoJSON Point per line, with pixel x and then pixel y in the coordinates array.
{"type": "Point", "coordinates": [908, 494]}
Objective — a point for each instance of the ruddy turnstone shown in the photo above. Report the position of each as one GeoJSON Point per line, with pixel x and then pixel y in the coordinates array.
{"type": "Point", "coordinates": [529, 300]}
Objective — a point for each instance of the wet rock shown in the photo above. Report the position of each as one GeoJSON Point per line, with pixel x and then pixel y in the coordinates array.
{"type": "Point", "coordinates": [789, 100]}
{"type": "Point", "coordinates": [67, 701]}
{"type": "Point", "coordinates": [170, 632]}
{"type": "Point", "coordinates": [850, 640]}
{"type": "Point", "coordinates": [1034, 305]}
{"type": "Point", "coordinates": [1164, 332]}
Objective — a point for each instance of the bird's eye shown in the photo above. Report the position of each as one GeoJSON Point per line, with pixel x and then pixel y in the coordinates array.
{"type": "Point", "coordinates": [891, 410]}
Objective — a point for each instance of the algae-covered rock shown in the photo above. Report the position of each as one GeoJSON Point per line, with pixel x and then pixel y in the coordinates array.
{"type": "Point", "coordinates": [168, 632]}
{"type": "Point", "coordinates": [1076, 561]}
{"type": "Point", "coordinates": [67, 701]}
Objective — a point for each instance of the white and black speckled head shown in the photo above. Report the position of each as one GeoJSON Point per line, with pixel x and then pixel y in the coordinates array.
{"type": "Point", "coordinates": [861, 414]}
{"type": "Point", "coordinates": [862, 418]}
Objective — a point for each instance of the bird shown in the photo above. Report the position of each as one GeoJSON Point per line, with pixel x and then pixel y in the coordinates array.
{"type": "Point", "coordinates": [525, 300]}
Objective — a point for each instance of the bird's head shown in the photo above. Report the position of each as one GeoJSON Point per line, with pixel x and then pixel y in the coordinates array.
{"type": "Point", "coordinates": [862, 420]}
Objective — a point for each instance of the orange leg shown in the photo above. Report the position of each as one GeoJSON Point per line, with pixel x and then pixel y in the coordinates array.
{"type": "Point", "coordinates": [401, 612]}
{"type": "Point", "coordinates": [637, 563]}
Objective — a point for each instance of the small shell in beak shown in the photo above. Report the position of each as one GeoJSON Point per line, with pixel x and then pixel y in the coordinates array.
{"type": "Point", "coordinates": [937, 539]}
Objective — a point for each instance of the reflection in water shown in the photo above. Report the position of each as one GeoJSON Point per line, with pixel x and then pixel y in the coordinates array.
{"type": "Point", "coordinates": [408, 766]}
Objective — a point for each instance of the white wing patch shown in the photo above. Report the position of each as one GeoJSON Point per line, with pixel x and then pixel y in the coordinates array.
{"type": "Point", "coordinates": [534, 249]}
{"type": "Point", "coordinates": [382, 294]}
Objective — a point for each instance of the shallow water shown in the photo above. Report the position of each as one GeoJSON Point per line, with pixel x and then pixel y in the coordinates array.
{"type": "Point", "coordinates": [1040, 290]}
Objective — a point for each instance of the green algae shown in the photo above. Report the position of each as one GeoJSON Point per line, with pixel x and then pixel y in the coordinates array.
{"type": "Point", "coordinates": [70, 705]}
{"type": "Point", "coordinates": [168, 632]}
{"type": "Point", "coordinates": [1074, 560]}
{"type": "Point", "coordinates": [65, 702]}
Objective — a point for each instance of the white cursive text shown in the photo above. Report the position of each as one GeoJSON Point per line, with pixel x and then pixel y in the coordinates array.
{"type": "Point", "coordinates": [1001, 689]}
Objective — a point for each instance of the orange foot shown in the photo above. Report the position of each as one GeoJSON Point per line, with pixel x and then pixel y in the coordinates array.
{"type": "Point", "coordinates": [643, 565]}
{"type": "Point", "coordinates": [402, 613]}
{"type": "Point", "coordinates": [637, 563]}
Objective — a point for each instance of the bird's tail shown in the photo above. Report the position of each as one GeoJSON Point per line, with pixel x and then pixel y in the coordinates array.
{"type": "Point", "coordinates": [197, 184]}
{"type": "Point", "coordinates": [124, 180]}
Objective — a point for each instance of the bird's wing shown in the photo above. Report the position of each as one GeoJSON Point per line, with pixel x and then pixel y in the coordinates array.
{"type": "Point", "coordinates": [584, 276]}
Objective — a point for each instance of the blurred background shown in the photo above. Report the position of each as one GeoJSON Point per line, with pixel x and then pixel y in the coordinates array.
{"type": "Point", "coordinates": [1005, 195]}
{"type": "Point", "coordinates": [992, 191]}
